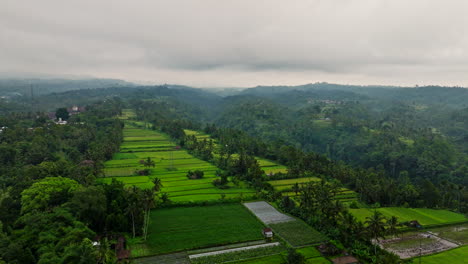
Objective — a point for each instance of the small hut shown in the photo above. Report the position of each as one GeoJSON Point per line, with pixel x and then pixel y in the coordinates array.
{"type": "Point", "coordinates": [267, 233]}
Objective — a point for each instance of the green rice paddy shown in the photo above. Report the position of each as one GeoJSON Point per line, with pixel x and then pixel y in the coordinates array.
{"type": "Point", "coordinates": [183, 228]}
{"type": "Point", "coordinates": [171, 166]}
{"type": "Point", "coordinates": [457, 255]}
{"type": "Point", "coordinates": [298, 233]}
{"type": "Point", "coordinates": [426, 217]}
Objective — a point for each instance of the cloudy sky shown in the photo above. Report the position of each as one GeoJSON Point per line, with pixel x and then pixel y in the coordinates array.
{"type": "Point", "coordinates": [213, 43]}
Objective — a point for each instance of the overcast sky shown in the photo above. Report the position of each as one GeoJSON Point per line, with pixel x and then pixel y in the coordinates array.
{"type": "Point", "coordinates": [239, 43]}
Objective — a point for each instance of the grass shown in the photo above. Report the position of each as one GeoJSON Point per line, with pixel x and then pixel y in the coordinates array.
{"type": "Point", "coordinates": [184, 228]}
{"type": "Point", "coordinates": [319, 260]}
{"type": "Point", "coordinates": [297, 233]}
{"type": "Point", "coordinates": [425, 217]}
{"type": "Point", "coordinates": [291, 182]}
{"type": "Point", "coordinates": [457, 255]}
{"type": "Point", "coordinates": [309, 252]}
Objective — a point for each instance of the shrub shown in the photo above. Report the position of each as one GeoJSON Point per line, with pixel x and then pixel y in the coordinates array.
{"type": "Point", "coordinates": [144, 172]}
{"type": "Point", "coordinates": [197, 174]}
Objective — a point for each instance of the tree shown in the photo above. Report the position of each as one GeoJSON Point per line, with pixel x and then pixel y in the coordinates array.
{"type": "Point", "coordinates": [62, 113]}
{"type": "Point", "coordinates": [157, 184]}
{"type": "Point", "coordinates": [148, 204]}
{"type": "Point", "coordinates": [47, 193]}
{"type": "Point", "coordinates": [392, 226]}
{"type": "Point", "coordinates": [296, 188]}
{"type": "Point", "coordinates": [294, 257]}
{"type": "Point", "coordinates": [149, 162]}
{"type": "Point", "coordinates": [375, 227]}
{"type": "Point", "coordinates": [83, 253]}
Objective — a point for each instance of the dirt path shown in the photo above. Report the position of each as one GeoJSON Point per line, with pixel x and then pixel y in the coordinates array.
{"type": "Point", "coordinates": [233, 250]}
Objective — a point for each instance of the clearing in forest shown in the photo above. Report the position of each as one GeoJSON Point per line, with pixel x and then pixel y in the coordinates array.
{"type": "Point", "coordinates": [171, 166]}
{"type": "Point", "coordinates": [426, 217]}
{"type": "Point", "coordinates": [183, 228]}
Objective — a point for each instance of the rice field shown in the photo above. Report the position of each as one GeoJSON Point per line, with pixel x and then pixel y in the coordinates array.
{"type": "Point", "coordinates": [268, 166]}
{"type": "Point", "coordinates": [285, 186]}
{"type": "Point", "coordinates": [171, 166]}
{"type": "Point", "coordinates": [426, 217]}
{"type": "Point", "coordinates": [184, 228]}
{"type": "Point", "coordinates": [298, 233]}
{"type": "Point", "coordinates": [457, 255]}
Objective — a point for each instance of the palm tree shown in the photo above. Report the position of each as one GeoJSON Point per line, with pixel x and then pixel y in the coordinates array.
{"type": "Point", "coordinates": [392, 226]}
{"type": "Point", "coordinates": [148, 203]}
{"type": "Point", "coordinates": [149, 162]}
{"type": "Point", "coordinates": [157, 184]}
{"type": "Point", "coordinates": [296, 188]}
{"type": "Point", "coordinates": [133, 205]}
{"type": "Point", "coordinates": [375, 227]}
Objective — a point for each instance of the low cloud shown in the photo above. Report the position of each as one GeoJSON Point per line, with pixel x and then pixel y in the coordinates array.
{"type": "Point", "coordinates": [240, 43]}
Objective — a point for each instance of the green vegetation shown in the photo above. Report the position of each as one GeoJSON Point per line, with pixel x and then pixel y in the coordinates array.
{"type": "Point", "coordinates": [425, 217]}
{"type": "Point", "coordinates": [274, 259]}
{"type": "Point", "coordinates": [297, 233]}
{"type": "Point", "coordinates": [309, 252]}
{"type": "Point", "coordinates": [183, 228]}
{"type": "Point", "coordinates": [239, 255]}
{"type": "Point", "coordinates": [457, 255]}
{"type": "Point", "coordinates": [172, 165]}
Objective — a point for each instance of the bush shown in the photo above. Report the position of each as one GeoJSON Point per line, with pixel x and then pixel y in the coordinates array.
{"type": "Point", "coordinates": [218, 183]}
{"type": "Point", "coordinates": [197, 174]}
{"type": "Point", "coordinates": [144, 172]}
{"type": "Point", "coordinates": [294, 257]}
{"type": "Point", "coordinates": [354, 205]}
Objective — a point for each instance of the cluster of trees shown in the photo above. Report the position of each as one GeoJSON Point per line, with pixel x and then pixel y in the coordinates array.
{"type": "Point", "coordinates": [202, 149]}
{"type": "Point", "coordinates": [319, 209]}
{"type": "Point", "coordinates": [52, 208]}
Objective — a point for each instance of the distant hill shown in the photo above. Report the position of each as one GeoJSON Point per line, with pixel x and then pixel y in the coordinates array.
{"type": "Point", "coordinates": [22, 87]}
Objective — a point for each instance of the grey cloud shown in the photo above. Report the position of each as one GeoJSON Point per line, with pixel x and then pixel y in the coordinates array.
{"type": "Point", "coordinates": [241, 42]}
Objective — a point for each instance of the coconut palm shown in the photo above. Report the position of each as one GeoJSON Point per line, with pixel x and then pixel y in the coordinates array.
{"type": "Point", "coordinates": [375, 227]}
{"type": "Point", "coordinates": [157, 184]}
{"type": "Point", "coordinates": [148, 204]}
{"type": "Point", "coordinates": [392, 226]}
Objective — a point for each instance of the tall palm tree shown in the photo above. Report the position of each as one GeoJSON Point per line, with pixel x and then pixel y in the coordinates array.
{"type": "Point", "coordinates": [157, 184]}
{"type": "Point", "coordinates": [375, 227]}
{"type": "Point", "coordinates": [392, 226]}
{"type": "Point", "coordinates": [149, 162]}
{"type": "Point", "coordinates": [296, 188]}
{"type": "Point", "coordinates": [148, 203]}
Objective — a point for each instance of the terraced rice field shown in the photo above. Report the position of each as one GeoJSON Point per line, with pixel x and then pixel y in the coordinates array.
{"type": "Point", "coordinates": [183, 228]}
{"type": "Point", "coordinates": [285, 186]}
{"type": "Point", "coordinates": [268, 166]}
{"type": "Point", "coordinates": [426, 217]}
{"type": "Point", "coordinates": [171, 166]}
